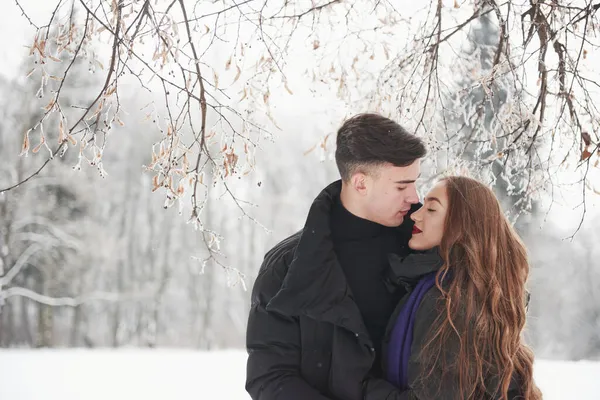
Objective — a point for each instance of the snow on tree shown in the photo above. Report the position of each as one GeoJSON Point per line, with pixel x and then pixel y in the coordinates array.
{"type": "Point", "coordinates": [218, 64]}
{"type": "Point", "coordinates": [506, 90]}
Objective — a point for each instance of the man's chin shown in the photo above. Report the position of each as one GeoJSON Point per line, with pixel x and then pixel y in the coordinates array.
{"type": "Point", "coordinates": [400, 220]}
{"type": "Point", "coordinates": [396, 222]}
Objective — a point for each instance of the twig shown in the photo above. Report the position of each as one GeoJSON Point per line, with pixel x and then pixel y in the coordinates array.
{"type": "Point", "coordinates": [310, 10]}
{"type": "Point", "coordinates": [477, 14]}
{"type": "Point", "coordinates": [236, 5]}
{"type": "Point", "coordinates": [25, 15]}
{"type": "Point", "coordinates": [202, 107]}
{"type": "Point", "coordinates": [34, 174]}
{"type": "Point", "coordinates": [52, 18]}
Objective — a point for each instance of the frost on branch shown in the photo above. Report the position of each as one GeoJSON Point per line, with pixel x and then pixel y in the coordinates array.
{"type": "Point", "coordinates": [504, 89]}
{"type": "Point", "coordinates": [514, 104]}
{"type": "Point", "coordinates": [207, 68]}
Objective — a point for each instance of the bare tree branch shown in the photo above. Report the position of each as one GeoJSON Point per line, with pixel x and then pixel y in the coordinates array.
{"type": "Point", "coordinates": [309, 11]}
{"type": "Point", "coordinates": [23, 13]}
{"type": "Point", "coordinates": [71, 301]}
{"type": "Point", "coordinates": [19, 264]}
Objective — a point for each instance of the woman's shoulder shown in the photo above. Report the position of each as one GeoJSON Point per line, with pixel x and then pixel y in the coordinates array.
{"type": "Point", "coordinates": [433, 298]}
{"type": "Point", "coordinates": [431, 306]}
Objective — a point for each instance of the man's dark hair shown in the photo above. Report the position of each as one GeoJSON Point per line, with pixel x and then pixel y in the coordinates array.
{"type": "Point", "coordinates": [368, 140]}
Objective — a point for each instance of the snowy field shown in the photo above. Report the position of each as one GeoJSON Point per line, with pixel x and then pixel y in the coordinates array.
{"type": "Point", "coordinates": [183, 375]}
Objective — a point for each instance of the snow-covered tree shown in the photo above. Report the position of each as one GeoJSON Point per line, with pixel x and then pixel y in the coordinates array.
{"type": "Point", "coordinates": [197, 92]}
{"type": "Point", "coordinates": [216, 66]}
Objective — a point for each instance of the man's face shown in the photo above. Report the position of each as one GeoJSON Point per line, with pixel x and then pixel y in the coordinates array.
{"type": "Point", "coordinates": [390, 192]}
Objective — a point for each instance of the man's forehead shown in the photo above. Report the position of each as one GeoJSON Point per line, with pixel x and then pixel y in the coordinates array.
{"type": "Point", "coordinates": [408, 173]}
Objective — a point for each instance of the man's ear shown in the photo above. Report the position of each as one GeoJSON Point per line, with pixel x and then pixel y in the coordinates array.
{"type": "Point", "coordinates": [359, 182]}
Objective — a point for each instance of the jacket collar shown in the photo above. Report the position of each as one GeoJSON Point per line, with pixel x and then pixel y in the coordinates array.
{"type": "Point", "coordinates": [315, 284]}
{"type": "Point", "coordinates": [407, 271]}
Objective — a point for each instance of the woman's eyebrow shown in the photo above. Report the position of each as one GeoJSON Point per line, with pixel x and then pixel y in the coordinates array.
{"type": "Point", "coordinates": [433, 199]}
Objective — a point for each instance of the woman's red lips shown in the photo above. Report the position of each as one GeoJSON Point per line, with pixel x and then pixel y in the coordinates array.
{"type": "Point", "coordinates": [416, 230]}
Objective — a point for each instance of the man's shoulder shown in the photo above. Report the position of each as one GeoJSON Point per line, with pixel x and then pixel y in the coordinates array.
{"type": "Point", "coordinates": [275, 266]}
{"type": "Point", "coordinates": [282, 251]}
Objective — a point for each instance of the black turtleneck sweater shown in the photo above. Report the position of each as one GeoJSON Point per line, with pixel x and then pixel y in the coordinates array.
{"type": "Point", "coordinates": [362, 248]}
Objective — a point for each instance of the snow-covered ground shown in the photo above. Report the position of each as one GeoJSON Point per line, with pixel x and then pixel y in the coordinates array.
{"type": "Point", "coordinates": [182, 375]}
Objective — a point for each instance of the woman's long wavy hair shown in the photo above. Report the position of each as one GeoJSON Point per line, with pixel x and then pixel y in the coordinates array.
{"type": "Point", "coordinates": [484, 299]}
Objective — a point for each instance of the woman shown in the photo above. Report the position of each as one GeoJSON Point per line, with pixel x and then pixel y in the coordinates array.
{"type": "Point", "coordinates": [457, 334]}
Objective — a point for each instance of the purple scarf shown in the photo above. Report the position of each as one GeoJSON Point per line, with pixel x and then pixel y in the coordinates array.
{"type": "Point", "coordinates": [402, 333]}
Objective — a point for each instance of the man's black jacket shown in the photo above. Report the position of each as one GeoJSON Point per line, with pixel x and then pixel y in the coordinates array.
{"type": "Point", "coordinates": [306, 338]}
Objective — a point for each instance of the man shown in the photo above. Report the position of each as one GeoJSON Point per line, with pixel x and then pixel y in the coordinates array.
{"type": "Point", "coordinates": [320, 304]}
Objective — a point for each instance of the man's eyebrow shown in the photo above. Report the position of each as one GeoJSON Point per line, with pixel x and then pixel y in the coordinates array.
{"type": "Point", "coordinates": [406, 181]}
{"type": "Point", "coordinates": [433, 199]}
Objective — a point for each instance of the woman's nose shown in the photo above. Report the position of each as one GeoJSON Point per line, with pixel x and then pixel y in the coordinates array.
{"type": "Point", "coordinates": [415, 216]}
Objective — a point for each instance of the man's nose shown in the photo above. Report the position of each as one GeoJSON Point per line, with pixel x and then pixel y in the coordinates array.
{"type": "Point", "coordinates": [413, 197]}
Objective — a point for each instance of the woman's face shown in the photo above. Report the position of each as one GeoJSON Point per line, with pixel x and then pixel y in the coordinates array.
{"type": "Point", "coordinates": [429, 219]}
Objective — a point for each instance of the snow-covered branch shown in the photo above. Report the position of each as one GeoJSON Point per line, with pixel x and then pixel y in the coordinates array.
{"type": "Point", "coordinates": [19, 264]}
{"type": "Point", "coordinates": [71, 301]}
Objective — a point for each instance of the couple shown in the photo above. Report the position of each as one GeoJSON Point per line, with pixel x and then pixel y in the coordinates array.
{"type": "Point", "coordinates": [381, 297]}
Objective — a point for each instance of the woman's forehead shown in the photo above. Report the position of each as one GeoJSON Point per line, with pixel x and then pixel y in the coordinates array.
{"type": "Point", "coordinates": [438, 192]}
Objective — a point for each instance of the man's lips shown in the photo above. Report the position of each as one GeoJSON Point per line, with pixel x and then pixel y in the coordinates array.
{"type": "Point", "coordinates": [416, 230]}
